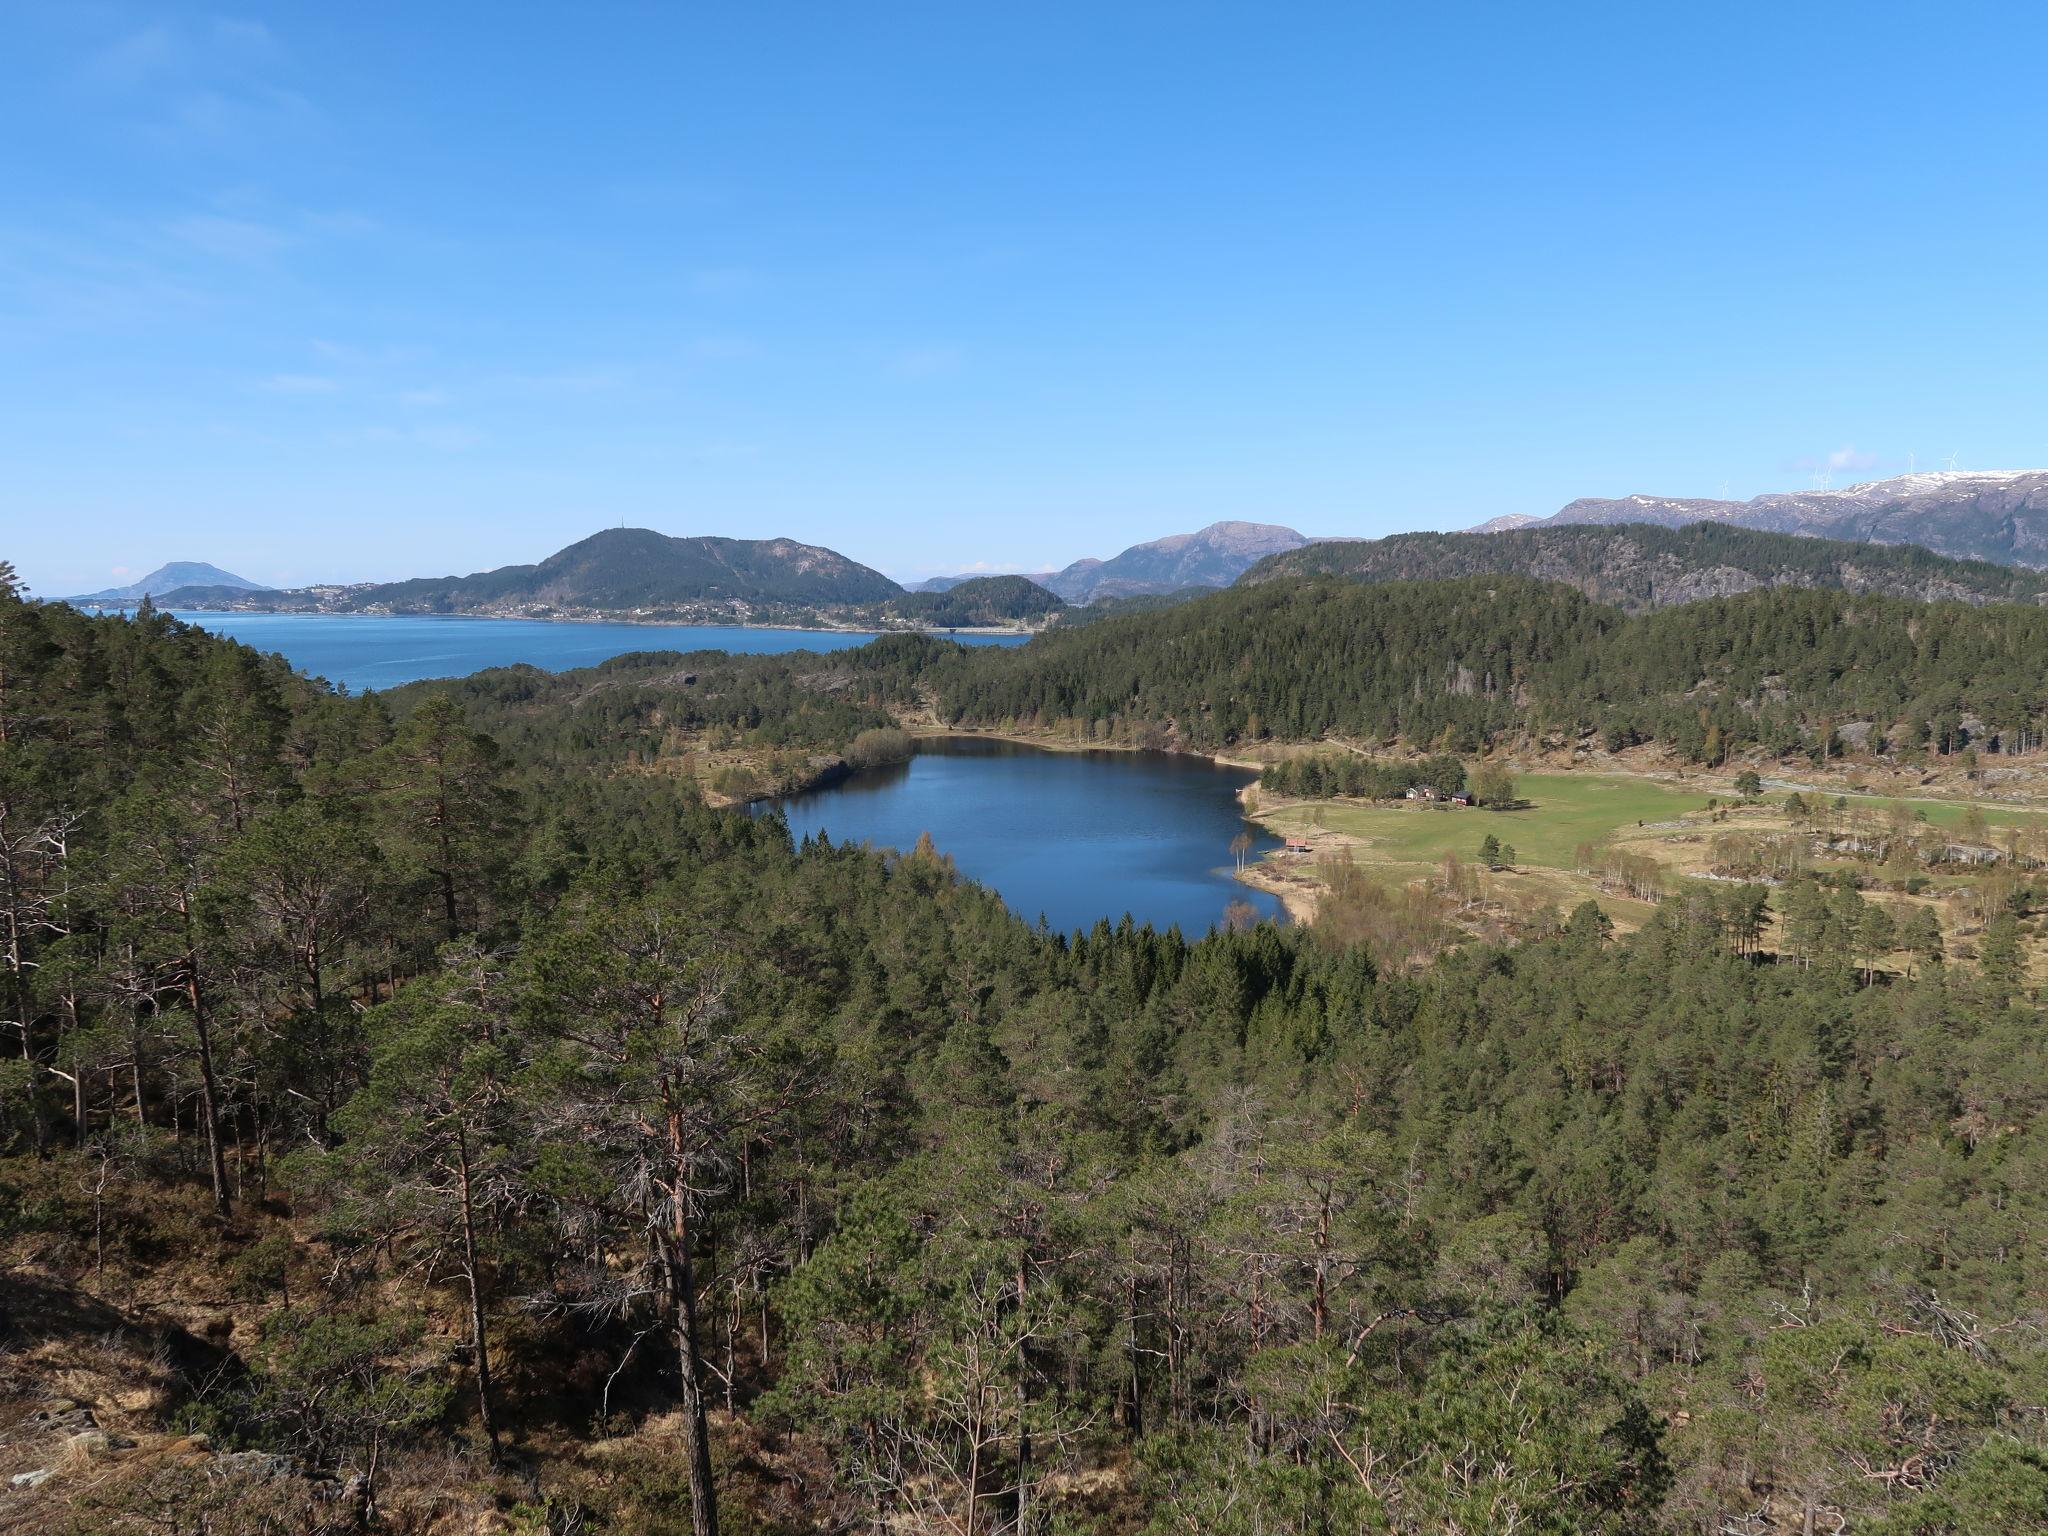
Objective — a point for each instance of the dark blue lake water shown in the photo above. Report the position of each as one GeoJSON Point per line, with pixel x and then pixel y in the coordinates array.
{"type": "Point", "coordinates": [366, 650]}
{"type": "Point", "coordinates": [1075, 836]}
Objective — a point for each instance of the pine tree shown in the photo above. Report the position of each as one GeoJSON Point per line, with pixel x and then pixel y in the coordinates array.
{"type": "Point", "coordinates": [1922, 936]}
{"type": "Point", "coordinates": [428, 1158]}
{"type": "Point", "coordinates": [443, 792]}
{"type": "Point", "coordinates": [1999, 960]}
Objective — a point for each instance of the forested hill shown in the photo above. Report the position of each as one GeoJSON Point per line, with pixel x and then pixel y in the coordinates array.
{"type": "Point", "coordinates": [1641, 565]}
{"type": "Point", "coordinates": [977, 602]}
{"type": "Point", "coordinates": [627, 569]}
{"type": "Point", "coordinates": [406, 1130]}
{"type": "Point", "coordinates": [1491, 658]}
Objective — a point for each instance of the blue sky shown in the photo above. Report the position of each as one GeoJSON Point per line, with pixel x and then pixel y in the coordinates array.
{"type": "Point", "coordinates": [380, 290]}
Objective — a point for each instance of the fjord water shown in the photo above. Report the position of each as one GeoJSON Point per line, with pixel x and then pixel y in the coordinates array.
{"type": "Point", "coordinates": [367, 650]}
{"type": "Point", "coordinates": [1074, 836]}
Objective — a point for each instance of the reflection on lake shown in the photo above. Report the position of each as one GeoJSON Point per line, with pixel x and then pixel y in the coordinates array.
{"type": "Point", "coordinates": [1075, 836]}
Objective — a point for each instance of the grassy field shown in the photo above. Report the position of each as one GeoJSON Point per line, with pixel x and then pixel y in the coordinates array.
{"type": "Point", "coordinates": [1402, 843]}
{"type": "Point", "coordinates": [1562, 810]}
{"type": "Point", "coordinates": [1947, 814]}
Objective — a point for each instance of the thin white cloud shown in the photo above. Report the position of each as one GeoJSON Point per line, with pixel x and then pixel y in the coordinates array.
{"type": "Point", "coordinates": [724, 349]}
{"type": "Point", "coordinates": [299, 384]}
{"type": "Point", "coordinates": [197, 82]}
{"type": "Point", "coordinates": [241, 240]}
{"type": "Point", "coordinates": [353, 355]}
{"type": "Point", "coordinates": [722, 282]}
{"type": "Point", "coordinates": [445, 438]}
{"type": "Point", "coordinates": [246, 38]}
{"type": "Point", "coordinates": [1847, 459]}
{"type": "Point", "coordinates": [135, 58]}
{"type": "Point", "coordinates": [926, 362]}
{"type": "Point", "coordinates": [569, 382]}
{"type": "Point", "coordinates": [91, 280]}
{"type": "Point", "coordinates": [720, 453]}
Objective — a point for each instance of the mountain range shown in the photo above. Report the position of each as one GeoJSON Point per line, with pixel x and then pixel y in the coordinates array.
{"type": "Point", "coordinates": [1887, 536]}
{"type": "Point", "coordinates": [645, 574]}
{"type": "Point", "coordinates": [1639, 566]}
{"type": "Point", "coordinates": [1214, 556]}
{"type": "Point", "coordinates": [639, 573]}
{"type": "Point", "coordinates": [1996, 515]}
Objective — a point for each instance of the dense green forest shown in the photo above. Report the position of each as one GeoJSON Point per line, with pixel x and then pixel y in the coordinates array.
{"type": "Point", "coordinates": [1481, 660]}
{"type": "Point", "coordinates": [415, 1122]}
{"type": "Point", "coordinates": [1638, 566]}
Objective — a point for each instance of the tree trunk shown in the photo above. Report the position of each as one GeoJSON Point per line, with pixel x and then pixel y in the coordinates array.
{"type": "Point", "coordinates": [135, 1067]}
{"type": "Point", "coordinates": [447, 870]}
{"type": "Point", "coordinates": [209, 1092]}
{"type": "Point", "coordinates": [683, 1282]}
{"type": "Point", "coordinates": [1135, 1421]}
{"type": "Point", "coordinates": [1023, 1406]}
{"type": "Point", "coordinates": [28, 1056]}
{"type": "Point", "coordinates": [478, 1343]}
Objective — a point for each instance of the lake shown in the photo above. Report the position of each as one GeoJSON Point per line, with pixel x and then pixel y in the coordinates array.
{"type": "Point", "coordinates": [1075, 836]}
{"type": "Point", "coordinates": [361, 651]}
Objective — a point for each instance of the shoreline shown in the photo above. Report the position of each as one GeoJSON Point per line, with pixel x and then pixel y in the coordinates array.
{"type": "Point", "coordinates": [838, 768]}
{"type": "Point", "coordinates": [1298, 899]}
{"type": "Point", "coordinates": [567, 618]}
{"type": "Point", "coordinates": [1300, 902]}
{"type": "Point", "coordinates": [1048, 743]}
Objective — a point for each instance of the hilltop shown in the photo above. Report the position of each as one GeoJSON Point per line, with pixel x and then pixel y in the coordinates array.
{"type": "Point", "coordinates": [637, 569]}
{"type": "Point", "coordinates": [169, 578]}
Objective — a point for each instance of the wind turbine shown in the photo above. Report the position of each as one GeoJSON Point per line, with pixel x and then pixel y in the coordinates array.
{"type": "Point", "coordinates": [1951, 463]}
{"type": "Point", "coordinates": [1912, 462]}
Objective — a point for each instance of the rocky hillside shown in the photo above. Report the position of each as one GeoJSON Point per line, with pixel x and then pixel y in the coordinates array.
{"type": "Point", "coordinates": [1215, 556]}
{"type": "Point", "coordinates": [1996, 515]}
{"type": "Point", "coordinates": [1639, 566]}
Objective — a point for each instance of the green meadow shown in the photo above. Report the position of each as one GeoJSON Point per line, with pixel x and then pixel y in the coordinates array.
{"type": "Point", "coordinates": [1947, 814]}
{"type": "Point", "coordinates": [1560, 811]}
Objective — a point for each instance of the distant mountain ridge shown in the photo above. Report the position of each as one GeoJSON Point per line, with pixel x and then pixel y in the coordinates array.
{"type": "Point", "coordinates": [1995, 515]}
{"type": "Point", "coordinates": [1214, 556]}
{"type": "Point", "coordinates": [1640, 566]}
{"type": "Point", "coordinates": [169, 578]}
{"type": "Point", "coordinates": [633, 569]}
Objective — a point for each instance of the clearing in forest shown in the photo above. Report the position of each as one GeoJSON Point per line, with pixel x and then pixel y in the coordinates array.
{"type": "Point", "coordinates": [1558, 812]}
